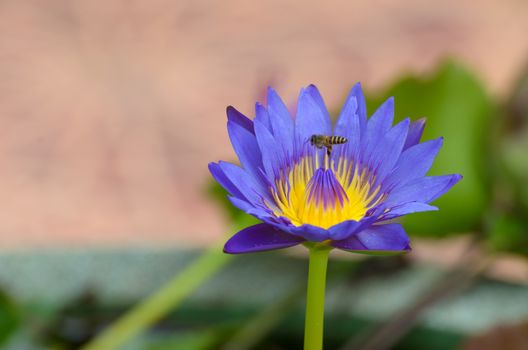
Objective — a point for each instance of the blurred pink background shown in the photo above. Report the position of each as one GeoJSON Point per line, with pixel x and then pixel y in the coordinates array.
{"type": "Point", "coordinates": [111, 110]}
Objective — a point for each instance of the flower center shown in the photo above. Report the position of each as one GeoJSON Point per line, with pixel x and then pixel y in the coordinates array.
{"type": "Point", "coordinates": [323, 195]}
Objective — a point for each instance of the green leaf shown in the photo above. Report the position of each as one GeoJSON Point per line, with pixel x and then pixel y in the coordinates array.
{"type": "Point", "coordinates": [9, 317]}
{"type": "Point", "coordinates": [457, 107]}
{"type": "Point", "coordinates": [513, 157]}
{"type": "Point", "coordinates": [509, 233]}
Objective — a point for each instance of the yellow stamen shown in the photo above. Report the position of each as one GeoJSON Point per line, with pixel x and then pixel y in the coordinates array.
{"type": "Point", "coordinates": [294, 202]}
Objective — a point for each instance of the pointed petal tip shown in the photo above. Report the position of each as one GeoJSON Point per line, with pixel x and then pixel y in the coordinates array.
{"type": "Point", "coordinates": [232, 113]}
{"type": "Point", "coordinates": [236, 117]}
{"type": "Point", "coordinates": [314, 92]}
{"type": "Point", "coordinates": [419, 124]}
{"type": "Point", "coordinates": [272, 94]}
{"type": "Point", "coordinates": [228, 249]}
{"type": "Point", "coordinates": [211, 165]}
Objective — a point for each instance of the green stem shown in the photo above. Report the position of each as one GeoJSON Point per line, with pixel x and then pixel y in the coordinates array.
{"type": "Point", "coordinates": [161, 302]}
{"type": "Point", "coordinates": [313, 329]}
{"type": "Point", "coordinates": [168, 297]}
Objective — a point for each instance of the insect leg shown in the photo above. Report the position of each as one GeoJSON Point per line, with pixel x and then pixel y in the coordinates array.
{"type": "Point", "coordinates": [329, 149]}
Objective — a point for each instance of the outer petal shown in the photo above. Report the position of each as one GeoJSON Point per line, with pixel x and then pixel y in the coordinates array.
{"type": "Point", "coordinates": [277, 106]}
{"type": "Point", "coordinates": [362, 105]}
{"type": "Point", "coordinates": [309, 232]}
{"type": "Point", "coordinates": [424, 190]}
{"type": "Point", "coordinates": [316, 95]}
{"type": "Point", "coordinates": [273, 158]}
{"type": "Point", "coordinates": [381, 121]}
{"type": "Point", "coordinates": [281, 122]}
{"type": "Point", "coordinates": [312, 116]}
{"type": "Point", "coordinates": [252, 191]}
{"type": "Point", "coordinates": [349, 125]}
{"type": "Point", "coordinates": [386, 152]}
{"type": "Point", "coordinates": [349, 228]}
{"type": "Point", "coordinates": [240, 203]}
{"type": "Point", "coordinates": [238, 118]}
{"type": "Point", "coordinates": [407, 208]}
{"type": "Point", "coordinates": [414, 163]}
{"type": "Point", "coordinates": [258, 238]}
{"type": "Point", "coordinates": [387, 238]}
{"type": "Point", "coordinates": [343, 229]}
{"type": "Point", "coordinates": [247, 149]}
{"type": "Point", "coordinates": [262, 116]}
{"type": "Point", "coordinates": [261, 213]}
{"type": "Point", "coordinates": [224, 181]}
{"type": "Point", "coordinates": [415, 133]}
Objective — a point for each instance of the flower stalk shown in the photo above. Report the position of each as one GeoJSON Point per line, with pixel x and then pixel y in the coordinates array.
{"type": "Point", "coordinates": [315, 296]}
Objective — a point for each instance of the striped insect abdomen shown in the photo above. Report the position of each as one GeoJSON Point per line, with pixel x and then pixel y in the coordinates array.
{"type": "Point", "coordinates": [337, 140]}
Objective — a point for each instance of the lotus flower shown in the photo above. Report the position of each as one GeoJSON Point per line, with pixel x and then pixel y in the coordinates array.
{"type": "Point", "coordinates": [345, 198]}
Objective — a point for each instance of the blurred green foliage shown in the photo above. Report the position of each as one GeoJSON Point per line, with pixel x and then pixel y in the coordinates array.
{"type": "Point", "coordinates": [509, 233]}
{"type": "Point", "coordinates": [9, 317]}
{"type": "Point", "coordinates": [514, 159]}
{"type": "Point", "coordinates": [508, 226]}
{"type": "Point", "coordinates": [196, 340]}
{"type": "Point", "coordinates": [456, 107]}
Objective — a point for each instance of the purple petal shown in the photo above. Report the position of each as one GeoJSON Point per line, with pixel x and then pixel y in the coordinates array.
{"type": "Point", "coordinates": [348, 228]}
{"type": "Point", "coordinates": [387, 150]}
{"type": "Point", "coordinates": [238, 118]}
{"type": "Point", "coordinates": [377, 238]}
{"type": "Point", "coordinates": [265, 215]}
{"type": "Point", "coordinates": [222, 179]}
{"type": "Point", "coordinates": [362, 106]}
{"type": "Point", "coordinates": [281, 122]}
{"type": "Point", "coordinates": [309, 232]}
{"type": "Point", "coordinates": [277, 106]}
{"type": "Point", "coordinates": [415, 133]}
{"type": "Point", "coordinates": [425, 190]}
{"type": "Point", "coordinates": [262, 116]}
{"type": "Point", "coordinates": [381, 121]}
{"type": "Point", "coordinates": [240, 203]}
{"type": "Point", "coordinates": [312, 116]}
{"type": "Point", "coordinates": [343, 229]}
{"type": "Point", "coordinates": [407, 208]}
{"type": "Point", "coordinates": [273, 157]}
{"type": "Point", "coordinates": [324, 189]}
{"type": "Point", "coordinates": [258, 238]}
{"type": "Point", "coordinates": [414, 163]}
{"type": "Point", "coordinates": [262, 213]}
{"type": "Point", "coordinates": [316, 95]}
{"type": "Point", "coordinates": [348, 125]}
{"type": "Point", "coordinates": [250, 189]}
{"type": "Point", "coordinates": [247, 149]}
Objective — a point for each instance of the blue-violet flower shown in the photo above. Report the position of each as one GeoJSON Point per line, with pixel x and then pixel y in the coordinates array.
{"type": "Point", "coordinates": [345, 197]}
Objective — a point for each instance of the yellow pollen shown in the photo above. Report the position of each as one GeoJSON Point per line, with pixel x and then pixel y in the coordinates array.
{"type": "Point", "coordinates": [293, 200]}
